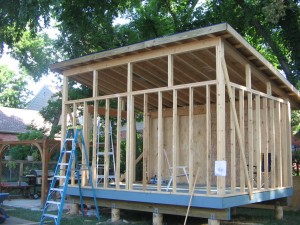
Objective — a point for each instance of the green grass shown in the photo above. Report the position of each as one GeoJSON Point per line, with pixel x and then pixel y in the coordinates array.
{"type": "Point", "coordinates": [246, 215]}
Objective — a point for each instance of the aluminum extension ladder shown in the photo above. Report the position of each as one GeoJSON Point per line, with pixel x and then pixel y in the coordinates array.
{"type": "Point", "coordinates": [73, 135]}
{"type": "Point", "coordinates": [101, 153]}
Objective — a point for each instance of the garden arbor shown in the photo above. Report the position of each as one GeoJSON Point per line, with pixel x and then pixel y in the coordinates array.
{"type": "Point", "coordinates": [46, 148]}
{"type": "Point", "coordinates": [209, 101]}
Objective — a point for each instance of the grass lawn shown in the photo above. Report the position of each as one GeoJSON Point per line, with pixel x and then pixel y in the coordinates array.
{"type": "Point", "coordinates": [245, 215]}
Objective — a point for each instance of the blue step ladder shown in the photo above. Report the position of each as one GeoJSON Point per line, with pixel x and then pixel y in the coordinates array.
{"type": "Point", "coordinates": [73, 135]}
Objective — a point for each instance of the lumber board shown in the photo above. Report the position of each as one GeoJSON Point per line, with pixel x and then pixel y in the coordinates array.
{"type": "Point", "coordinates": [284, 128]}
{"type": "Point", "coordinates": [250, 121]}
{"type": "Point", "coordinates": [258, 144]}
{"type": "Point", "coordinates": [170, 70]}
{"type": "Point", "coordinates": [289, 144]}
{"type": "Point", "coordinates": [175, 142]}
{"type": "Point", "coordinates": [95, 131]}
{"type": "Point", "coordinates": [208, 140]}
{"type": "Point", "coordinates": [222, 214]}
{"type": "Point", "coordinates": [278, 146]}
{"type": "Point", "coordinates": [242, 133]}
{"type": "Point", "coordinates": [220, 113]}
{"type": "Point", "coordinates": [118, 142]}
{"type": "Point", "coordinates": [95, 83]}
{"type": "Point", "coordinates": [160, 141]}
{"type": "Point", "coordinates": [106, 144]}
{"type": "Point", "coordinates": [233, 162]}
{"type": "Point", "coordinates": [191, 140]}
{"type": "Point", "coordinates": [146, 139]}
{"type": "Point", "coordinates": [237, 127]}
{"type": "Point", "coordinates": [265, 141]}
{"type": "Point", "coordinates": [272, 143]}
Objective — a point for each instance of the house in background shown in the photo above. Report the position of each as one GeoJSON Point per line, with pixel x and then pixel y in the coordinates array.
{"type": "Point", "coordinates": [14, 121]}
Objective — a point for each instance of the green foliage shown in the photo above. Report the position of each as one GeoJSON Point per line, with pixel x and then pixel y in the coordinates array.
{"type": "Point", "coordinates": [18, 16]}
{"type": "Point", "coordinates": [20, 152]}
{"type": "Point", "coordinates": [296, 162]}
{"type": "Point", "coordinates": [13, 91]}
{"type": "Point", "coordinates": [34, 54]}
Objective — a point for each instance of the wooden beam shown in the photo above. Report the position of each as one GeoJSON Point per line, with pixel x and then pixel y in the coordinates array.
{"type": "Point", "coordinates": [208, 140]}
{"type": "Point", "coordinates": [278, 146]}
{"type": "Point", "coordinates": [95, 141]}
{"type": "Point", "coordinates": [86, 136]}
{"type": "Point", "coordinates": [118, 142]}
{"type": "Point", "coordinates": [233, 146]}
{"type": "Point", "coordinates": [146, 137]}
{"type": "Point", "coordinates": [272, 143]}
{"type": "Point", "coordinates": [106, 144]}
{"type": "Point", "coordinates": [237, 127]}
{"type": "Point", "coordinates": [191, 140]}
{"type": "Point", "coordinates": [175, 142]}
{"type": "Point", "coordinates": [284, 143]}
{"type": "Point", "coordinates": [160, 139]}
{"type": "Point", "coordinates": [265, 141]}
{"type": "Point", "coordinates": [250, 121]}
{"type": "Point", "coordinates": [170, 70]}
{"type": "Point", "coordinates": [221, 186]}
{"type": "Point", "coordinates": [258, 140]}
{"type": "Point", "coordinates": [242, 130]}
{"type": "Point", "coordinates": [95, 83]}
{"type": "Point", "coordinates": [289, 144]}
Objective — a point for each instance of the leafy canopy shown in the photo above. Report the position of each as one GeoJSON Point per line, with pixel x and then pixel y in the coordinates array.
{"type": "Point", "coordinates": [13, 92]}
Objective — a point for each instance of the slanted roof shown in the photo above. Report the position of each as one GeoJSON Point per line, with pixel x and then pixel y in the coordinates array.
{"type": "Point", "coordinates": [41, 98]}
{"type": "Point", "coordinates": [15, 121]}
{"type": "Point", "coordinates": [198, 65]}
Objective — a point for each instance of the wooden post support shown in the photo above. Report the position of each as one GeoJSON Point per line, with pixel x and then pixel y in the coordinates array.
{"type": "Point", "coordinates": [208, 140]}
{"type": "Point", "coordinates": [191, 139]}
{"type": "Point", "coordinates": [157, 219]}
{"type": "Point", "coordinates": [233, 145]}
{"type": "Point", "coordinates": [237, 127]}
{"type": "Point", "coordinates": [45, 165]}
{"type": "Point", "coordinates": [160, 141]}
{"type": "Point", "coordinates": [115, 215]}
{"type": "Point", "coordinates": [221, 144]}
{"type": "Point", "coordinates": [145, 141]}
{"type": "Point", "coordinates": [106, 144]}
{"type": "Point", "coordinates": [175, 141]}
{"type": "Point", "coordinates": [118, 143]}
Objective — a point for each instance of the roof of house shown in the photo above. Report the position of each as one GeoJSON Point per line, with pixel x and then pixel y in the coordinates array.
{"type": "Point", "coordinates": [41, 98]}
{"type": "Point", "coordinates": [16, 120]}
{"type": "Point", "coordinates": [189, 65]}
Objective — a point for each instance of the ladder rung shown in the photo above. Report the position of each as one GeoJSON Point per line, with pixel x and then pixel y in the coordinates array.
{"type": "Point", "coordinates": [57, 189]}
{"type": "Point", "coordinates": [54, 202]}
{"type": "Point", "coordinates": [50, 216]}
{"type": "Point", "coordinates": [59, 176]}
{"type": "Point", "coordinates": [69, 139]}
{"type": "Point", "coordinates": [68, 151]}
{"type": "Point", "coordinates": [63, 164]}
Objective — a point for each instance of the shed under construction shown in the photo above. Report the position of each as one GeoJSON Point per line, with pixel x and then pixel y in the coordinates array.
{"type": "Point", "coordinates": [209, 102]}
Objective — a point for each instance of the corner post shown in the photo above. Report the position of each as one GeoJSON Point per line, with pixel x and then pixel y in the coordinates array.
{"type": "Point", "coordinates": [220, 113]}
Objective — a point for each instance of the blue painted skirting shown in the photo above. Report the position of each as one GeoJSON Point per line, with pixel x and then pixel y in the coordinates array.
{"type": "Point", "coordinates": [214, 202]}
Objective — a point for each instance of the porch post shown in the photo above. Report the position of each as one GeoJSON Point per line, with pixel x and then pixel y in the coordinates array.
{"type": "Point", "coordinates": [65, 95]}
{"type": "Point", "coordinates": [220, 113]}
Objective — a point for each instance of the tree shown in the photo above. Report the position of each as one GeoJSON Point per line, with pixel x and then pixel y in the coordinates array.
{"type": "Point", "coordinates": [17, 16]}
{"type": "Point", "coordinates": [34, 54]}
{"type": "Point", "coordinates": [271, 26]}
{"type": "Point", "coordinates": [13, 92]}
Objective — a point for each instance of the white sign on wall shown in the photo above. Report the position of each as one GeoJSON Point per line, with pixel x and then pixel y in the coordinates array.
{"type": "Point", "coordinates": [220, 168]}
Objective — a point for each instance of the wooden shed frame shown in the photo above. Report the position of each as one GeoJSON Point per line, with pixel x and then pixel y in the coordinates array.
{"type": "Point", "coordinates": [198, 92]}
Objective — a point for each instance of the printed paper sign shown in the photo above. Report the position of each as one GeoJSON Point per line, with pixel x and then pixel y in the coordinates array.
{"type": "Point", "coordinates": [220, 168]}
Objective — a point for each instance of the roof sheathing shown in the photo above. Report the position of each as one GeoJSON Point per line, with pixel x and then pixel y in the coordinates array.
{"type": "Point", "coordinates": [224, 30]}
